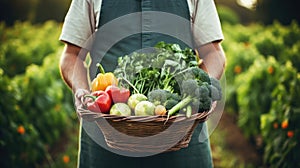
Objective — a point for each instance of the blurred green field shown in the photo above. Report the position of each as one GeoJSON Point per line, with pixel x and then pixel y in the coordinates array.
{"type": "Point", "coordinates": [39, 126]}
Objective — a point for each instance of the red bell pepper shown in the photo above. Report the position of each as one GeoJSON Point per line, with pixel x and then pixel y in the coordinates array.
{"type": "Point", "coordinates": [118, 95]}
{"type": "Point", "coordinates": [101, 102]}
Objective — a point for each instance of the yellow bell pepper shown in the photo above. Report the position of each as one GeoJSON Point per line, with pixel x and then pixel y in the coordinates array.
{"type": "Point", "coordinates": [103, 80]}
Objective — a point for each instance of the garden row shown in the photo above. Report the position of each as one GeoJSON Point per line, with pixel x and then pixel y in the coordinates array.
{"type": "Point", "coordinates": [36, 106]}
{"type": "Point", "coordinates": [262, 88]}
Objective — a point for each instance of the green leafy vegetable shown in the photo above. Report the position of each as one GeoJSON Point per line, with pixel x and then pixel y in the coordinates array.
{"type": "Point", "coordinates": [155, 70]}
{"type": "Point", "coordinates": [167, 72]}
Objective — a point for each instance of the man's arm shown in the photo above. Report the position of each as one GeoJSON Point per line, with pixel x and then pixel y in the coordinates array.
{"type": "Point", "coordinates": [213, 58]}
{"type": "Point", "coordinates": [72, 67]}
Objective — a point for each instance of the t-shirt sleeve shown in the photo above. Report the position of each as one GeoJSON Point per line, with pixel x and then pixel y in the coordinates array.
{"type": "Point", "coordinates": [79, 23]}
{"type": "Point", "coordinates": [206, 26]}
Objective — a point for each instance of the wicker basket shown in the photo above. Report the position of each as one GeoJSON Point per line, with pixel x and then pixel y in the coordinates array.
{"type": "Point", "coordinates": [145, 133]}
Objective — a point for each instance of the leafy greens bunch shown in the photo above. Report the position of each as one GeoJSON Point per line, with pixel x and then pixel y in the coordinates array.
{"type": "Point", "coordinates": [156, 69]}
{"type": "Point", "coordinates": [168, 68]}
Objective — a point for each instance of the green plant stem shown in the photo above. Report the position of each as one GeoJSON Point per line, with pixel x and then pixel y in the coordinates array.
{"type": "Point", "coordinates": [184, 102]}
{"type": "Point", "coordinates": [100, 68]}
{"type": "Point", "coordinates": [90, 96]}
{"type": "Point", "coordinates": [130, 84]}
{"type": "Point", "coordinates": [189, 111]}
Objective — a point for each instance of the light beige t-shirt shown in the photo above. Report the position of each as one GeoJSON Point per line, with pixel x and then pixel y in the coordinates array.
{"type": "Point", "coordinates": [82, 20]}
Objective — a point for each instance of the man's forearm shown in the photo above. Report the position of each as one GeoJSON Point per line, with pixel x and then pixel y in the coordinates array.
{"type": "Point", "coordinates": [73, 70]}
{"type": "Point", "coordinates": [213, 58]}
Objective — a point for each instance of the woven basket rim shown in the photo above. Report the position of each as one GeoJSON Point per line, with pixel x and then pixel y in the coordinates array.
{"type": "Point", "coordinates": [146, 123]}
{"type": "Point", "coordinates": [93, 116]}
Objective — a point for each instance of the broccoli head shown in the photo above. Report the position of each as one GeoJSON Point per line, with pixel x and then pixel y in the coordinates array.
{"type": "Point", "coordinates": [216, 89]}
{"type": "Point", "coordinates": [204, 91]}
{"type": "Point", "coordinates": [163, 97]}
{"type": "Point", "coordinates": [205, 104]}
{"type": "Point", "coordinates": [204, 101]}
{"type": "Point", "coordinates": [215, 93]}
{"type": "Point", "coordinates": [172, 100]}
{"type": "Point", "coordinates": [190, 93]}
{"type": "Point", "coordinates": [195, 73]}
{"type": "Point", "coordinates": [170, 103]}
{"type": "Point", "coordinates": [158, 96]}
{"type": "Point", "coordinates": [174, 96]}
{"type": "Point", "coordinates": [190, 87]}
{"type": "Point", "coordinates": [200, 74]}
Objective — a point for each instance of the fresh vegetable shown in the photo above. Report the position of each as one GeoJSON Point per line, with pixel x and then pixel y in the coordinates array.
{"type": "Point", "coordinates": [200, 75]}
{"type": "Point", "coordinates": [121, 109]}
{"type": "Point", "coordinates": [209, 88]}
{"type": "Point", "coordinates": [160, 110]}
{"type": "Point", "coordinates": [144, 108]}
{"type": "Point", "coordinates": [156, 70]}
{"type": "Point", "coordinates": [171, 103]}
{"type": "Point", "coordinates": [166, 73]}
{"type": "Point", "coordinates": [118, 94]}
{"type": "Point", "coordinates": [216, 89]}
{"type": "Point", "coordinates": [191, 93]}
{"type": "Point", "coordinates": [163, 97]}
{"type": "Point", "coordinates": [205, 99]}
{"type": "Point", "coordinates": [134, 99]}
{"type": "Point", "coordinates": [158, 96]}
{"type": "Point", "coordinates": [103, 80]}
{"type": "Point", "coordinates": [101, 102]}
{"type": "Point", "coordinates": [189, 111]}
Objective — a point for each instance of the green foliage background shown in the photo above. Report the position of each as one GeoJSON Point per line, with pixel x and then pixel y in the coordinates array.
{"type": "Point", "coordinates": [262, 74]}
{"type": "Point", "coordinates": [33, 95]}
{"type": "Point", "coordinates": [263, 92]}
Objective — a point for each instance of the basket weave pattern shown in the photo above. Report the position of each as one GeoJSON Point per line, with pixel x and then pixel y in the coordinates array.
{"type": "Point", "coordinates": [145, 133]}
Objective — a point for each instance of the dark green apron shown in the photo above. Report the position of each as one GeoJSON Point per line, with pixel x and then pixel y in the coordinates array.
{"type": "Point", "coordinates": [198, 154]}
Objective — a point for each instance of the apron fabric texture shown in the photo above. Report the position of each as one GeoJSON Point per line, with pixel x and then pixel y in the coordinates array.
{"type": "Point", "coordinates": [197, 154]}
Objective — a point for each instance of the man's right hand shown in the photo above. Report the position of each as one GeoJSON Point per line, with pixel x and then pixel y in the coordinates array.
{"type": "Point", "coordinates": [79, 100]}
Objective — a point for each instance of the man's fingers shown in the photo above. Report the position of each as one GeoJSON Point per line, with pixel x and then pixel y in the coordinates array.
{"type": "Point", "coordinates": [79, 95]}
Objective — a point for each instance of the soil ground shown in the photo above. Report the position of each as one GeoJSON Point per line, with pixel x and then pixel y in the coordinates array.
{"type": "Point", "coordinates": [236, 142]}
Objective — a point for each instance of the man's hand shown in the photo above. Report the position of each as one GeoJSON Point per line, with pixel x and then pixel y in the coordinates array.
{"type": "Point", "coordinates": [79, 99]}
